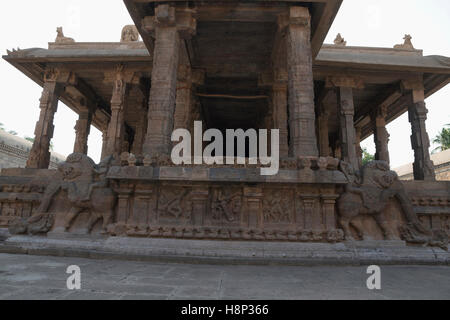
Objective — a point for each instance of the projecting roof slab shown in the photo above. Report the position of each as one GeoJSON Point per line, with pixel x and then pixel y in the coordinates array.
{"type": "Point", "coordinates": [323, 13]}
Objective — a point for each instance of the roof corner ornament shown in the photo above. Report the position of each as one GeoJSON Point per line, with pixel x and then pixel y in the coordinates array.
{"type": "Point", "coordinates": [407, 44]}
{"type": "Point", "coordinates": [60, 38]}
{"type": "Point", "coordinates": [129, 34]}
{"type": "Point", "coordinates": [339, 41]}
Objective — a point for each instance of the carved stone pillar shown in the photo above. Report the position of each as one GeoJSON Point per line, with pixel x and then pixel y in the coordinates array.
{"type": "Point", "coordinates": [324, 143]}
{"type": "Point", "coordinates": [116, 127]}
{"type": "Point", "coordinates": [82, 130]}
{"type": "Point", "coordinates": [302, 118]}
{"type": "Point", "coordinates": [280, 116]}
{"type": "Point", "coordinates": [167, 33]}
{"type": "Point", "coordinates": [184, 99]}
{"type": "Point", "coordinates": [39, 157]}
{"type": "Point", "coordinates": [420, 141]}
{"type": "Point", "coordinates": [423, 166]}
{"type": "Point", "coordinates": [347, 132]}
{"type": "Point", "coordinates": [359, 150]}
{"type": "Point", "coordinates": [104, 140]}
{"type": "Point", "coordinates": [381, 135]}
{"type": "Point", "coordinates": [346, 111]}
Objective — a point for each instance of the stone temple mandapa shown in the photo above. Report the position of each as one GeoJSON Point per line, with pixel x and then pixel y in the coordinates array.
{"type": "Point", "coordinates": [230, 64]}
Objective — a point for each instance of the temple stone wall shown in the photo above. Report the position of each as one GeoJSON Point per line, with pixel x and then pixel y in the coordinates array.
{"type": "Point", "coordinates": [14, 152]}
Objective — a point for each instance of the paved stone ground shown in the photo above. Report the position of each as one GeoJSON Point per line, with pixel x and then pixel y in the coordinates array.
{"type": "Point", "coordinates": [39, 277]}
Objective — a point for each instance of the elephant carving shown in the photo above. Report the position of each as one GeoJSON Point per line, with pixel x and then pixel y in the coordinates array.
{"type": "Point", "coordinates": [87, 190]}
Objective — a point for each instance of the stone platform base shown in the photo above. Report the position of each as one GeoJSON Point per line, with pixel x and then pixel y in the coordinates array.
{"type": "Point", "coordinates": [226, 252]}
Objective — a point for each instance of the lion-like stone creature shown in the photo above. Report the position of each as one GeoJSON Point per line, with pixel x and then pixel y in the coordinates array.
{"type": "Point", "coordinates": [60, 38]}
{"type": "Point", "coordinates": [87, 190]}
{"type": "Point", "coordinates": [368, 193]}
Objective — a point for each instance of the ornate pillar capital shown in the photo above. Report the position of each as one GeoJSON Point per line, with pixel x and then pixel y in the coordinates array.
{"type": "Point", "coordinates": [295, 16]}
{"type": "Point", "coordinates": [167, 16]}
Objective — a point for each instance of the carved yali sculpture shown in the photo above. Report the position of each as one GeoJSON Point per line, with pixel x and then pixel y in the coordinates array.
{"type": "Point", "coordinates": [369, 192]}
{"type": "Point", "coordinates": [87, 190]}
{"type": "Point", "coordinates": [60, 38]}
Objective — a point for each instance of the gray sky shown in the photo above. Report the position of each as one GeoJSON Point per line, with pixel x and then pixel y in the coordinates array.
{"type": "Point", "coordinates": [378, 23]}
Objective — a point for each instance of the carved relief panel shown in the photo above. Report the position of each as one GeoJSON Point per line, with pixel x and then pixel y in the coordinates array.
{"type": "Point", "coordinates": [226, 205]}
{"type": "Point", "coordinates": [278, 206]}
{"type": "Point", "coordinates": [174, 205]}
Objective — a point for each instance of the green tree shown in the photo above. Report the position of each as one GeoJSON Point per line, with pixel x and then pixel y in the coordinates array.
{"type": "Point", "coordinates": [367, 157]}
{"type": "Point", "coordinates": [443, 140]}
{"type": "Point", "coordinates": [2, 126]}
{"type": "Point", "coordinates": [12, 132]}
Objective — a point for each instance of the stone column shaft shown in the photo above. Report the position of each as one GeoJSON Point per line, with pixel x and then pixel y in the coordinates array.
{"type": "Point", "coordinates": [104, 140]}
{"type": "Point", "coordinates": [163, 91]}
{"type": "Point", "coordinates": [184, 99]}
{"type": "Point", "coordinates": [324, 142]}
{"type": "Point", "coordinates": [420, 141]}
{"type": "Point", "coordinates": [359, 151]}
{"type": "Point", "coordinates": [301, 83]}
{"type": "Point", "coordinates": [381, 137]}
{"type": "Point", "coordinates": [347, 128]}
{"type": "Point", "coordinates": [39, 157]}
{"type": "Point", "coordinates": [139, 136]}
{"type": "Point", "coordinates": [280, 116]}
{"type": "Point", "coordinates": [82, 130]}
{"type": "Point", "coordinates": [116, 127]}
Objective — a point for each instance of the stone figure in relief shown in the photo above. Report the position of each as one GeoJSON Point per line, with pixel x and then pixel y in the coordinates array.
{"type": "Point", "coordinates": [369, 192]}
{"type": "Point", "coordinates": [226, 203]}
{"type": "Point", "coordinates": [87, 190]}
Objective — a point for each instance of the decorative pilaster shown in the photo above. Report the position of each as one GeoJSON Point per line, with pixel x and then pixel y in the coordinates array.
{"type": "Point", "coordinates": [199, 198]}
{"type": "Point", "coordinates": [297, 26]}
{"type": "Point", "coordinates": [381, 135]}
{"type": "Point", "coordinates": [253, 217]}
{"type": "Point", "coordinates": [54, 84]}
{"type": "Point", "coordinates": [280, 116]}
{"type": "Point", "coordinates": [329, 211]}
{"type": "Point", "coordinates": [166, 57]}
{"type": "Point", "coordinates": [142, 206]}
{"type": "Point", "coordinates": [82, 130]}
{"type": "Point", "coordinates": [420, 141]}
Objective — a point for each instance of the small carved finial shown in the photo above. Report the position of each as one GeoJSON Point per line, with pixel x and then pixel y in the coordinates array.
{"type": "Point", "coordinates": [339, 41]}
{"type": "Point", "coordinates": [60, 38]}
{"type": "Point", "coordinates": [129, 34]}
{"type": "Point", "coordinates": [407, 44]}
{"type": "Point", "coordinates": [131, 160]}
{"type": "Point", "coordinates": [148, 160]}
